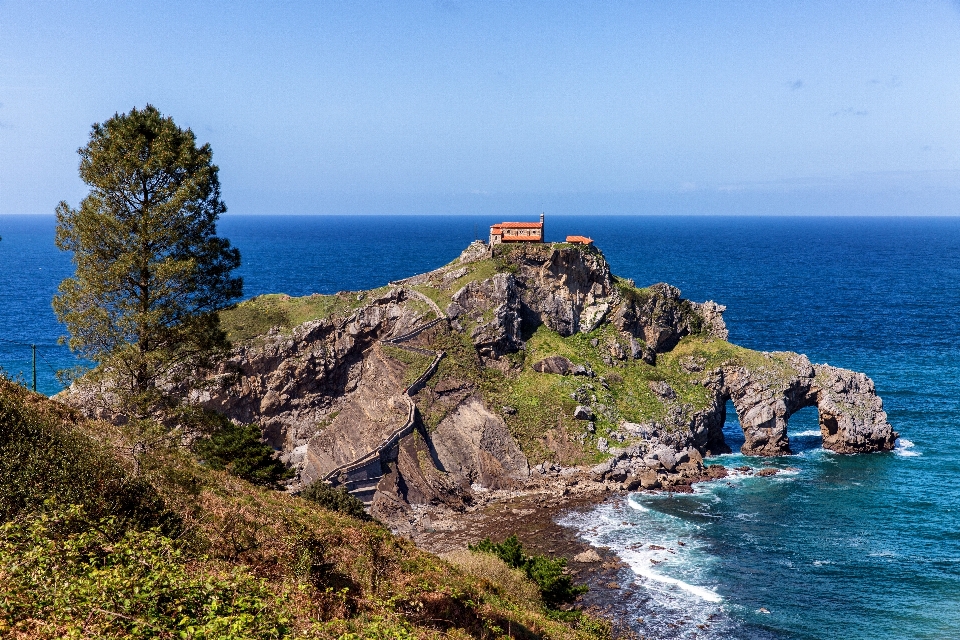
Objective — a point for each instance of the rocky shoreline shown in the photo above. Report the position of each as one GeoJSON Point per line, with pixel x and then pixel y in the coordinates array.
{"type": "Point", "coordinates": [533, 515]}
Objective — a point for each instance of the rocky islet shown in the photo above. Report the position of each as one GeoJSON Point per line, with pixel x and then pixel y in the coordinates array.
{"type": "Point", "coordinates": [645, 389]}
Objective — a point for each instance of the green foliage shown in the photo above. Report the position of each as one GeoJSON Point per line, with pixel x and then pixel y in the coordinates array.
{"type": "Point", "coordinates": [556, 586]}
{"type": "Point", "coordinates": [415, 363]}
{"type": "Point", "coordinates": [239, 449]}
{"type": "Point", "coordinates": [42, 457]}
{"type": "Point", "coordinates": [151, 272]}
{"type": "Point", "coordinates": [66, 577]}
{"type": "Point", "coordinates": [255, 317]}
{"type": "Point", "coordinates": [122, 565]}
{"type": "Point", "coordinates": [335, 499]}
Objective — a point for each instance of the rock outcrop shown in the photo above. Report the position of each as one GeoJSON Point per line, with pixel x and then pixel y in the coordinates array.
{"type": "Point", "coordinates": [475, 446]}
{"type": "Point", "coordinates": [660, 317]}
{"type": "Point", "coordinates": [852, 419]}
{"type": "Point", "coordinates": [496, 333]}
{"type": "Point", "coordinates": [569, 289]}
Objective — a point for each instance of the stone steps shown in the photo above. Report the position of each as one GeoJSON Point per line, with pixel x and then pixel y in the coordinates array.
{"type": "Point", "coordinates": [362, 476]}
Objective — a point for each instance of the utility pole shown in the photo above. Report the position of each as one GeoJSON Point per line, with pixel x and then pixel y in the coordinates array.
{"type": "Point", "coordinates": [34, 348]}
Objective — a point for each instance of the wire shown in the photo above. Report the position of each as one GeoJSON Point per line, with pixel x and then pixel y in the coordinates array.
{"type": "Point", "coordinates": [29, 344]}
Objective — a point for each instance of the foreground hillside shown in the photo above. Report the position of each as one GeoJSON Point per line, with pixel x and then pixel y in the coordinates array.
{"type": "Point", "coordinates": [113, 532]}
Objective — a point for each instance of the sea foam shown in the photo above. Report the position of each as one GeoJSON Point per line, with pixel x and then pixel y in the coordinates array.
{"type": "Point", "coordinates": [903, 447]}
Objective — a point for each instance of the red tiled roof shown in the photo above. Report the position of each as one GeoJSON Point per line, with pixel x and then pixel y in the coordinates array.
{"type": "Point", "coordinates": [518, 225]}
{"type": "Point", "coordinates": [579, 240]}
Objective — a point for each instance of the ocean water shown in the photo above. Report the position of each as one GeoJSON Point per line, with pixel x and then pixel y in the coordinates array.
{"type": "Point", "coordinates": [835, 546]}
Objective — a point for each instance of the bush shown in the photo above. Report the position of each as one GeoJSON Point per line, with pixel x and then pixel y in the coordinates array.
{"type": "Point", "coordinates": [335, 499]}
{"type": "Point", "coordinates": [43, 457]}
{"type": "Point", "coordinates": [238, 449]}
{"type": "Point", "coordinates": [64, 578]}
{"type": "Point", "coordinates": [556, 587]}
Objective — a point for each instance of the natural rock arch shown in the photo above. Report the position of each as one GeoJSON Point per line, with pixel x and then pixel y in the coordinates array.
{"type": "Point", "coordinates": [851, 415]}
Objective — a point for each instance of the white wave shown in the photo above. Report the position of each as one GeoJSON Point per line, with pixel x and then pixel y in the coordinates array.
{"type": "Point", "coordinates": [805, 434]}
{"type": "Point", "coordinates": [644, 537]}
{"type": "Point", "coordinates": [639, 563]}
{"type": "Point", "coordinates": [902, 447]}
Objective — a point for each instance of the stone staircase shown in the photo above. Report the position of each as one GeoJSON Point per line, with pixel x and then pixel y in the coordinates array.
{"type": "Point", "coordinates": [361, 476]}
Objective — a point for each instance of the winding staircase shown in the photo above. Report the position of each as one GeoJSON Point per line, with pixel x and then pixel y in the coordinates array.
{"type": "Point", "coordinates": [361, 476]}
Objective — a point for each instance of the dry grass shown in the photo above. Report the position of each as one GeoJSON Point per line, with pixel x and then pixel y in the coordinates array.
{"type": "Point", "coordinates": [494, 573]}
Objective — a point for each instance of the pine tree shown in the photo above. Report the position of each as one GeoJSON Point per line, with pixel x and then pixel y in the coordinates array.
{"type": "Point", "coordinates": [151, 272]}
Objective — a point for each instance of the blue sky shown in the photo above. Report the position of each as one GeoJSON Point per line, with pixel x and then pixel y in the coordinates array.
{"type": "Point", "coordinates": [485, 107]}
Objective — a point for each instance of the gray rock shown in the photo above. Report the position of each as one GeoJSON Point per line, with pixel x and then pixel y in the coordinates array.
{"type": "Point", "coordinates": [851, 413]}
{"type": "Point", "coordinates": [583, 413]}
{"type": "Point", "coordinates": [588, 556]}
{"type": "Point", "coordinates": [663, 390]}
{"type": "Point", "coordinates": [616, 350]}
{"type": "Point", "coordinates": [603, 468]}
{"type": "Point", "coordinates": [667, 458]}
{"type": "Point", "coordinates": [649, 480]}
{"type": "Point", "coordinates": [501, 334]}
{"type": "Point", "coordinates": [602, 444]}
{"type": "Point", "coordinates": [554, 364]}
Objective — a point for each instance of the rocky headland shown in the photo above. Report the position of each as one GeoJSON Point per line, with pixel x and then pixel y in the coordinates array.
{"type": "Point", "coordinates": [523, 369]}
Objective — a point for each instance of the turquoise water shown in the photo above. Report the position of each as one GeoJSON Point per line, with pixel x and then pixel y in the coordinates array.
{"type": "Point", "coordinates": [836, 547]}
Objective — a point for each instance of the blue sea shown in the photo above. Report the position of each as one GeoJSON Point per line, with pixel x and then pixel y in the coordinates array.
{"type": "Point", "coordinates": [835, 546]}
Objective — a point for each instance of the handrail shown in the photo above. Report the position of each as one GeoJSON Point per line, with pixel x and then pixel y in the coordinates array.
{"type": "Point", "coordinates": [368, 457]}
{"type": "Point", "coordinates": [418, 384]}
{"type": "Point", "coordinates": [433, 305]}
{"type": "Point", "coordinates": [413, 333]}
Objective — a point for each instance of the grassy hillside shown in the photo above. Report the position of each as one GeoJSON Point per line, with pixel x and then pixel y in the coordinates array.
{"type": "Point", "coordinates": [256, 316]}
{"type": "Point", "coordinates": [541, 405]}
{"type": "Point", "coordinates": [111, 533]}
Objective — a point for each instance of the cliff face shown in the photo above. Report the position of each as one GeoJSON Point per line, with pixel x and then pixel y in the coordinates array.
{"type": "Point", "coordinates": [550, 363]}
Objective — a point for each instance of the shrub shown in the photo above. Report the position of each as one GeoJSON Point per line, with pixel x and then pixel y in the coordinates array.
{"type": "Point", "coordinates": [335, 499]}
{"type": "Point", "coordinates": [43, 457]}
{"type": "Point", "coordinates": [64, 578]}
{"type": "Point", "coordinates": [556, 587]}
{"type": "Point", "coordinates": [238, 449]}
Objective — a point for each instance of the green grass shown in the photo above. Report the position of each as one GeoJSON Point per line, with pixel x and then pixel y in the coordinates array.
{"type": "Point", "coordinates": [414, 363]}
{"type": "Point", "coordinates": [543, 401]}
{"type": "Point", "coordinates": [255, 317]}
{"type": "Point", "coordinates": [476, 272]}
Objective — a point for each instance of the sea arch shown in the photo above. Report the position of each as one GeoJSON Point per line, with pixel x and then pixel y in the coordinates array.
{"type": "Point", "coordinates": [850, 414]}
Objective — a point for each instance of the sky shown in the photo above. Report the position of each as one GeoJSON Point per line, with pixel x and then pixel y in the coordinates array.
{"type": "Point", "coordinates": [445, 107]}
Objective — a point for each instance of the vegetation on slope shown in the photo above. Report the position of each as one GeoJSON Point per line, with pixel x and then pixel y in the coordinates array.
{"type": "Point", "coordinates": [104, 540]}
{"type": "Point", "coordinates": [541, 405]}
{"type": "Point", "coordinates": [556, 586]}
{"type": "Point", "coordinates": [256, 316]}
